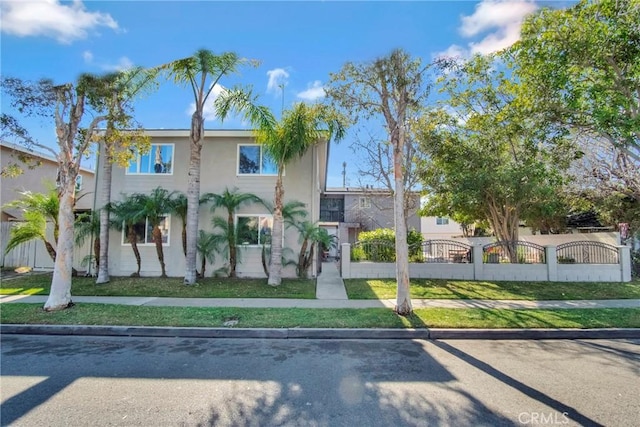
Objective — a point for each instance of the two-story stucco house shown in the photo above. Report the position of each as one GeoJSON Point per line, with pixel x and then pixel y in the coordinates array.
{"type": "Point", "coordinates": [345, 212]}
{"type": "Point", "coordinates": [230, 159]}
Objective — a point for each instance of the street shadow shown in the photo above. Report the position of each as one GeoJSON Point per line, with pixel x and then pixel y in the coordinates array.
{"type": "Point", "coordinates": [277, 382]}
{"type": "Point", "coordinates": [529, 391]}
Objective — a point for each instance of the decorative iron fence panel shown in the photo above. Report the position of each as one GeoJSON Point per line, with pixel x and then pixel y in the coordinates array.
{"type": "Point", "coordinates": [587, 252]}
{"type": "Point", "coordinates": [516, 252]}
{"type": "Point", "coordinates": [442, 251]}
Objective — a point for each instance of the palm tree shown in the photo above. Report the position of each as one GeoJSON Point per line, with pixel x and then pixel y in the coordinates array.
{"type": "Point", "coordinates": [88, 225]}
{"type": "Point", "coordinates": [310, 236]}
{"type": "Point", "coordinates": [179, 207]}
{"type": "Point", "coordinates": [231, 201]}
{"type": "Point", "coordinates": [292, 213]}
{"type": "Point", "coordinates": [38, 209]}
{"type": "Point", "coordinates": [201, 72]}
{"type": "Point", "coordinates": [154, 207]}
{"type": "Point", "coordinates": [299, 128]}
{"type": "Point", "coordinates": [118, 146]}
{"type": "Point", "coordinates": [126, 215]}
{"type": "Point", "coordinates": [208, 244]}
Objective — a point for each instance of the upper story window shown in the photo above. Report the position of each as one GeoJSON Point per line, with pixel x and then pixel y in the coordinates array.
{"type": "Point", "coordinates": [254, 160]}
{"type": "Point", "coordinates": [78, 183]}
{"type": "Point", "coordinates": [159, 160]}
{"type": "Point", "coordinates": [364, 203]}
{"type": "Point", "coordinates": [254, 229]}
{"type": "Point", "coordinates": [442, 221]}
{"type": "Point", "coordinates": [144, 232]}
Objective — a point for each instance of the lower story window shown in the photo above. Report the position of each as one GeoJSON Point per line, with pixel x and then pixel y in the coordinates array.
{"type": "Point", "coordinates": [144, 232]}
{"type": "Point", "coordinates": [254, 229]}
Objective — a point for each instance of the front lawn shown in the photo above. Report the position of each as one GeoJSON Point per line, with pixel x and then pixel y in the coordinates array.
{"type": "Point", "coordinates": [108, 314]}
{"type": "Point", "coordinates": [169, 287]}
{"type": "Point", "coordinates": [461, 289]}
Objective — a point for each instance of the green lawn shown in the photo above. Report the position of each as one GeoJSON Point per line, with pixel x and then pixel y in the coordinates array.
{"type": "Point", "coordinates": [169, 287]}
{"type": "Point", "coordinates": [106, 314]}
{"type": "Point", "coordinates": [460, 289]}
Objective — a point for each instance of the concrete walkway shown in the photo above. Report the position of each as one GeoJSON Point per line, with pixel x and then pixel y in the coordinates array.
{"type": "Point", "coordinates": [330, 285]}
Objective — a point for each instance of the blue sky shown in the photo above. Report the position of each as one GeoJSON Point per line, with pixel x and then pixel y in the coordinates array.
{"type": "Point", "coordinates": [298, 44]}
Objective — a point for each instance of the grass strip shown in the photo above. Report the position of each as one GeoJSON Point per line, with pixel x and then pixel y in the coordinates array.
{"type": "Point", "coordinates": [108, 314]}
{"type": "Point", "coordinates": [166, 287]}
{"type": "Point", "coordinates": [493, 290]}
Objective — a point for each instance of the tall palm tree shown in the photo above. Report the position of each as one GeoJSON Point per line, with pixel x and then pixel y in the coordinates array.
{"type": "Point", "coordinates": [125, 216]}
{"type": "Point", "coordinates": [154, 207]}
{"type": "Point", "coordinates": [200, 72]}
{"type": "Point", "coordinates": [231, 201]}
{"type": "Point", "coordinates": [293, 212]}
{"type": "Point", "coordinates": [38, 209]}
{"type": "Point", "coordinates": [119, 142]}
{"type": "Point", "coordinates": [87, 225]}
{"type": "Point", "coordinates": [299, 128]}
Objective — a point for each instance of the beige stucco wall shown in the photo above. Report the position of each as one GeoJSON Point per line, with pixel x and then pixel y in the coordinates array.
{"type": "Point", "coordinates": [38, 180]}
{"type": "Point", "coordinates": [378, 215]}
{"type": "Point", "coordinates": [218, 171]}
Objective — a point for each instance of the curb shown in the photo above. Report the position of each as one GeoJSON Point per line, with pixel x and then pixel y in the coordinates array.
{"type": "Point", "coordinates": [317, 333]}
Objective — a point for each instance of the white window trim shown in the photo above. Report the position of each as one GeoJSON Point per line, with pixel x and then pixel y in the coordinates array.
{"type": "Point", "coordinates": [442, 220]}
{"type": "Point", "coordinates": [124, 242]}
{"type": "Point", "coordinates": [364, 202]}
{"type": "Point", "coordinates": [248, 215]}
{"type": "Point", "coordinates": [238, 173]}
{"type": "Point", "coordinates": [173, 165]}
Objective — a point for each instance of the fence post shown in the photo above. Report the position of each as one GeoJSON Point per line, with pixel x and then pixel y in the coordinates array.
{"type": "Point", "coordinates": [551, 256]}
{"type": "Point", "coordinates": [478, 267]}
{"type": "Point", "coordinates": [624, 255]}
{"type": "Point", "coordinates": [345, 259]}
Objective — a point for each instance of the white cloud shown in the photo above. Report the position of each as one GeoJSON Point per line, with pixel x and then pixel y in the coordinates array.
{"type": "Point", "coordinates": [498, 20]}
{"type": "Point", "coordinates": [50, 18]}
{"type": "Point", "coordinates": [208, 111]}
{"type": "Point", "coordinates": [87, 56]}
{"type": "Point", "coordinates": [277, 77]}
{"type": "Point", "coordinates": [313, 92]}
{"type": "Point", "coordinates": [123, 63]}
{"type": "Point", "coordinates": [453, 51]}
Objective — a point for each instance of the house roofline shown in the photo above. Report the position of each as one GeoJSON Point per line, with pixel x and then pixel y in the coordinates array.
{"type": "Point", "coordinates": [39, 154]}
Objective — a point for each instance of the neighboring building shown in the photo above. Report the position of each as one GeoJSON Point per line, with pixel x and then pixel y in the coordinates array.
{"type": "Point", "coordinates": [38, 175]}
{"type": "Point", "coordinates": [436, 227]}
{"type": "Point", "coordinates": [345, 212]}
{"type": "Point", "coordinates": [229, 159]}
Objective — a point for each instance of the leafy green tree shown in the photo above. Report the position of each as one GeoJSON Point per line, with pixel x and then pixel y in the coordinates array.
{"type": "Point", "coordinates": [126, 216]}
{"type": "Point", "coordinates": [300, 128]}
{"type": "Point", "coordinates": [231, 201]}
{"type": "Point", "coordinates": [201, 72]}
{"type": "Point", "coordinates": [66, 104]}
{"type": "Point", "coordinates": [489, 159]}
{"type": "Point", "coordinates": [391, 89]}
{"type": "Point", "coordinates": [579, 67]}
{"type": "Point", "coordinates": [155, 207]}
{"type": "Point", "coordinates": [38, 209]}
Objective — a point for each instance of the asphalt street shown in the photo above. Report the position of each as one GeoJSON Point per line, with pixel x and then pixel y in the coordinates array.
{"type": "Point", "coordinates": [145, 381]}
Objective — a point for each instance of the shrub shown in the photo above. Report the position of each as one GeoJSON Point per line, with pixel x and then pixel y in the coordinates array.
{"type": "Point", "coordinates": [379, 246]}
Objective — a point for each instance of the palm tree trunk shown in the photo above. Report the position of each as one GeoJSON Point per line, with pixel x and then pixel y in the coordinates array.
{"type": "Point", "coordinates": [157, 238]}
{"type": "Point", "coordinates": [193, 197]}
{"type": "Point", "coordinates": [96, 250]}
{"type": "Point", "coordinates": [233, 255]}
{"type": "Point", "coordinates": [275, 270]}
{"type": "Point", "coordinates": [50, 250]}
{"type": "Point", "coordinates": [134, 248]}
{"type": "Point", "coordinates": [60, 294]}
{"type": "Point", "coordinates": [103, 255]}
{"type": "Point", "coordinates": [184, 237]}
{"type": "Point", "coordinates": [302, 259]}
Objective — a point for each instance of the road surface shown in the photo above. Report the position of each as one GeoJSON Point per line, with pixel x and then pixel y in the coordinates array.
{"type": "Point", "coordinates": [120, 381]}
